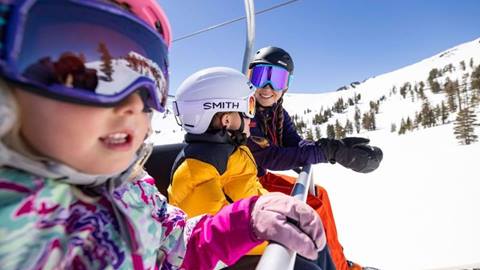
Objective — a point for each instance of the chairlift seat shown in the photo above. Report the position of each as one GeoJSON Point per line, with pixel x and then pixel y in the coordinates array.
{"type": "Point", "coordinates": [159, 164]}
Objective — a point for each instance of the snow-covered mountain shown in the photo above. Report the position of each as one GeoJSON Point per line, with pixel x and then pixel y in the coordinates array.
{"type": "Point", "coordinates": [386, 89]}
{"type": "Point", "coordinates": [420, 209]}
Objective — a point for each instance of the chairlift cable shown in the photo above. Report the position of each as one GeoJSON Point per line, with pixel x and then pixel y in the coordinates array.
{"type": "Point", "coordinates": [232, 21]}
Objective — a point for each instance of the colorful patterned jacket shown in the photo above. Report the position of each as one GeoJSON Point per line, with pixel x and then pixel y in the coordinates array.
{"type": "Point", "coordinates": [48, 223]}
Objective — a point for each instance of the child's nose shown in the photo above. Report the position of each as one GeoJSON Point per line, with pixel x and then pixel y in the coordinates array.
{"type": "Point", "coordinates": [131, 105]}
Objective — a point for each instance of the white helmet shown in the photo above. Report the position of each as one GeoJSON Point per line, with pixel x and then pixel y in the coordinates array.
{"type": "Point", "coordinates": [212, 90]}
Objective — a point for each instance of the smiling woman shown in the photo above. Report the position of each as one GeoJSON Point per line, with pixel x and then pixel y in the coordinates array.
{"type": "Point", "coordinates": [276, 145]}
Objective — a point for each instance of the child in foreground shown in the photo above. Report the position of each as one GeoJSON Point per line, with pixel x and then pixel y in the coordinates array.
{"type": "Point", "coordinates": [79, 80]}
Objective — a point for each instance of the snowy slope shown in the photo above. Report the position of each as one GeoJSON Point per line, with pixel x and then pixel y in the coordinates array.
{"type": "Point", "coordinates": [395, 107]}
{"type": "Point", "coordinates": [420, 209]}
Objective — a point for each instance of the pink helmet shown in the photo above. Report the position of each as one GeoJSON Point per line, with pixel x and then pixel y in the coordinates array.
{"type": "Point", "coordinates": [151, 12]}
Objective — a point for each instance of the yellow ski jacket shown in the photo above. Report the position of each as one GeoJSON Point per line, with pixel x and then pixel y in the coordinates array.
{"type": "Point", "coordinates": [210, 173]}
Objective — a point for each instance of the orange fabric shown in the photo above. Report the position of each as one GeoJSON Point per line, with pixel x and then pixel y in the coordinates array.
{"type": "Point", "coordinates": [321, 203]}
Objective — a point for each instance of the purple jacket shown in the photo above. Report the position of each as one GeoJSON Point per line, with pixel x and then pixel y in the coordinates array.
{"type": "Point", "coordinates": [294, 153]}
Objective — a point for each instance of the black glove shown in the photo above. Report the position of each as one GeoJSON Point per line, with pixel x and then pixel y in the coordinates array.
{"type": "Point", "coordinates": [352, 152]}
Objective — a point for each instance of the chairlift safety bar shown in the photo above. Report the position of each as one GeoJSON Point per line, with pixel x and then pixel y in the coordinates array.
{"type": "Point", "coordinates": [275, 255]}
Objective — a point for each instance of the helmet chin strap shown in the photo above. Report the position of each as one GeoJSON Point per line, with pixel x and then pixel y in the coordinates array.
{"type": "Point", "coordinates": [238, 136]}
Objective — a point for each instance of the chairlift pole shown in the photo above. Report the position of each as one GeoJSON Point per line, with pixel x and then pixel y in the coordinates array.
{"type": "Point", "coordinates": [275, 255]}
{"type": "Point", "coordinates": [250, 15]}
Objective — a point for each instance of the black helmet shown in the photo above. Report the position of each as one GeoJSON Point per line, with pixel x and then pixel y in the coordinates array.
{"type": "Point", "coordinates": [273, 56]}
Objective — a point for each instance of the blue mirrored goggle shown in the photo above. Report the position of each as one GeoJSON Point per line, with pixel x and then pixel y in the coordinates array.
{"type": "Point", "coordinates": [262, 75]}
{"type": "Point", "coordinates": [87, 52]}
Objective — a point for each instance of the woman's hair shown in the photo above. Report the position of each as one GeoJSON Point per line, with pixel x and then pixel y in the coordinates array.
{"type": "Point", "coordinates": [272, 126]}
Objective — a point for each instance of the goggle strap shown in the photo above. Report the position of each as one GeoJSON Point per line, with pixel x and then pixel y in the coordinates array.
{"type": "Point", "coordinates": [177, 119]}
{"type": "Point", "coordinates": [176, 112]}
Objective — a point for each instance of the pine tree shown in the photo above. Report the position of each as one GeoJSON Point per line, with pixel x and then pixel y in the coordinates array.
{"type": "Point", "coordinates": [428, 116]}
{"type": "Point", "coordinates": [394, 90]}
{"type": "Point", "coordinates": [349, 127]}
{"type": "Point", "coordinates": [309, 135]}
{"type": "Point", "coordinates": [435, 86]}
{"type": "Point", "coordinates": [443, 112]}
{"type": "Point", "coordinates": [327, 114]}
{"type": "Point", "coordinates": [409, 124]}
{"type": "Point", "coordinates": [319, 119]}
{"type": "Point", "coordinates": [339, 130]}
{"type": "Point", "coordinates": [403, 90]}
{"type": "Point", "coordinates": [106, 66]}
{"type": "Point", "coordinates": [330, 131]}
{"type": "Point", "coordinates": [374, 107]}
{"type": "Point", "coordinates": [448, 68]}
{"type": "Point", "coordinates": [300, 126]}
{"type": "Point", "coordinates": [402, 128]}
{"type": "Point", "coordinates": [421, 89]}
{"type": "Point", "coordinates": [476, 78]}
{"type": "Point", "coordinates": [417, 121]}
{"type": "Point", "coordinates": [357, 118]}
{"type": "Point", "coordinates": [339, 106]}
{"type": "Point", "coordinates": [368, 121]}
{"type": "Point", "coordinates": [393, 128]}
{"type": "Point", "coordinates": [465, 126]}
{"type": "Point", "coordinates": [350, 102]}
{"type": "Point", "coordinates": [451, 90]}
{"type": "Point", "coordinates": [374, 121]}
{"type": "Point", "coordinates": [318, 132]}
{"type": "Point", "coordinates": [438, 113]}
{"type": "Point", "coordinates": [462, 65]}
{"type": "Point", "coordinates": [434, 73]}
{"type": "Point", "coordinates": [475, 99]}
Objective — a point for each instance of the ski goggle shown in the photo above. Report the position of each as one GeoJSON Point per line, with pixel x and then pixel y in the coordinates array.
{"type": "Point", "coordinates": [245, 106]}
{"type": "Point", "coordinates": [86, 52]}
{"type": "Point", "coordinates": [277, 77]}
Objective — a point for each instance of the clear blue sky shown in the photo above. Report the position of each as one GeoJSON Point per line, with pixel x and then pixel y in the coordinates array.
{"type": "Point", "coordinates": [332, 42]}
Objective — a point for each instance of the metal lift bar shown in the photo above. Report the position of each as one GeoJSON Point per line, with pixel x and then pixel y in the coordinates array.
{"type": "Point", "coordinates": [275, 255]}
{"type": "Point", "coordinates": [247, 56]}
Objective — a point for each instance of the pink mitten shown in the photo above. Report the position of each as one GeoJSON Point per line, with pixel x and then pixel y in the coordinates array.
{"type": "Point", "coordinates": [290, 222]}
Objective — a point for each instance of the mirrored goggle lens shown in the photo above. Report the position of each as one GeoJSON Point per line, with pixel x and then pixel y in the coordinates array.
{"type": "Point", "coordinates": [277, 77]}
{"type": "Point", "coordinates": [86, 54]}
